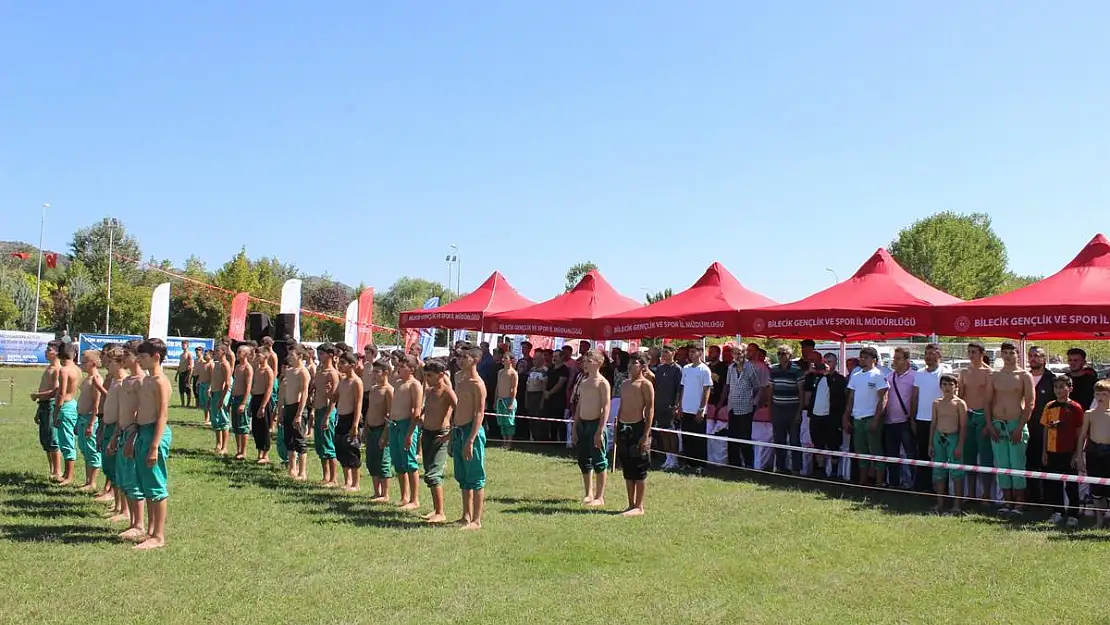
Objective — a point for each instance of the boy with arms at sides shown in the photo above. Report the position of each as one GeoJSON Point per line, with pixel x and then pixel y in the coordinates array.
{"type": "Point", "coordinates": [1095, 437]}
{"type": "Point", "coordinates": [184, 375]}
{"type": "Point", "coordinates": [221, 394]}
{"type": "Point", "coordinates": [589, 435]}
{"type": "Point", "coordinates": [508, 381]}
{"type": "Point", "coordinates": [975, 389]}
{"type": "Point", "coordinates": [379, 398]}
{"type": "Point", "coordinates": [947, 432]}
{"type": "Point", "coordinates": [323, 417]}
{"type": "Point", "coordinates": [468, 438]}
{"type": "Point", "coordinates": [113, 353]}
{"type": "Point", "coordinates": [241, 386]}
{"type": "Point", "coordinates": [194, 383]}
{"type": "Point", "coordinates": [123, 445]}
{"type": "Point", "coordinates": [365, 370]}
{"type": "Point", "coordinates": [348, 403]}
{"type": "Point", "coordinates": [204, 382]}
{"type": "Point", "coordinates": [89, 413]}
{"type": "Point", "coordinates": [404, 437]}
{"type": "Point", "coordinates": [1062, 420]}
{"type": "Point", "coordinates": [44, 414]}
{"type": "Point", "coordinates": [65, 410]}
{"type": "Point", "coordinates": [435, 433]}
{"type": "Point", "coordinates": [1012, 401]}
{"type": "Point", "coordinates": [261, 408]}
{"type": "Point", "coordinates": [294, 395]}
{"type": "Point", "coordinates": [152, 443]}
{"type": "Point", "coordinates": [634, 420]}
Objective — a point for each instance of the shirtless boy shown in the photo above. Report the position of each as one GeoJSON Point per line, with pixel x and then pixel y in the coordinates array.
{"type": "Point", "coordinates": [152, 443]}
{"type": "Point", "coordinates": [89, 410]}
{"type": "Point", "coordinates": [378, 399]}
{"type": "Point", "coordinates": [1095, 436]}
{"type": "Point", "coordinates": [221, 394]}
{"type": "Point", "coordinates": [294, 396]}
{"type": "Point", "coordinates": [404, 437]}
{"type": "Point", "coordinates": [44, 414]}
{"type": "Point", "coordinates": [1012, 402]}
{"type": "Point", "coordinates": [589, 434]}
{"type": "Point", "coordinates": [348, 405]}
{"type": "Point", "coordinates": [635, 418]}
{"type": "Point", "coordinates": [185, 375]}
{"type": "Point", "coordinates": [204, 382]}
{"type": "Point", "coordinates": [325, 384]}
{"type": "Point", "coordinates": [946, 442]}
{"type": "Point", "coordinates": [975, 389]}
{"type": "Point", "coordinates": [365, 370]}
{"type": "Point", "coordinates": [198, 364]}
{"type": "Point", "coordinates": [123, 445]}
{"type": "Point", "coordinates": [113, 354]}
{"type": "Point", "coordinates": [468, 438]}
{"type": "Point", "coordinates": [261, 409]}
{"type": "Point", "coordinates": [242, 384]}
{"type": "Point", "coordinates": [435, 433]}
{"type": "Point", "coordinates": [65, 409]}
{"type": "Point", "coordinates": [505, 405]}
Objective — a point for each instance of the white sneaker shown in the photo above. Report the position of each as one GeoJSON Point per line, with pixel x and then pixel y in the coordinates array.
{"type": "Point", "coordinates": [1056, 518]}
{"type": "Point", "coordinates": [1073, 523]}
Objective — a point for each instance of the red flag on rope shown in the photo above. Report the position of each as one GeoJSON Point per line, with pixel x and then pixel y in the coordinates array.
{"type": "Point", "coordinates": [21, 255]}
{"type": "Point", "coordinates": [365, 319]}
{"type": "Point", "coordinates": [51, 259]}
{"type": "Point", "coordinates": [237, 323]}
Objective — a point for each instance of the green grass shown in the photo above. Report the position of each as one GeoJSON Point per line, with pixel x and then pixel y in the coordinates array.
{"type": "Point", "coordinates": [246, 545]}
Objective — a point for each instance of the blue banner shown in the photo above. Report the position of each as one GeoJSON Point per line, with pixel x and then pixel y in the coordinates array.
{"type": "Point", "coordinates": [173, 344]}
{"type": "Point", "coordinates": [23, 348]}
{"type": "Point", "coordinates": [428, 335]}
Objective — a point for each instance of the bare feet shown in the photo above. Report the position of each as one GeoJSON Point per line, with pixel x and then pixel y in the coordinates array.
{"type": "Point", "coordinates": [87, 488]}
{"type": "Point", "coordinates": [151, 543]}
{"type": "Point", "coordinates": [352, 489]}
{"type": "Point", "coordinates": [327, 484]}
{"type": "Point", "coordinates": [54, 477]}
{"type": "Point", "coordinates": [66, 482]}
{"type": "Point", "coordinates": [435, 518]}
{"type": "Point", "coordinates": [402, 503]}
{"type": "Point", "coordinates": [472, 526]}
{"type": "Point", "coordinates": [240, 457]}
{"type": "Point", "coordinates": [633, 512]}
{"type": "Point", "coordinates": [412, 505]}
{"type": "Point", "coordinates": [379, 499]}
{"type": "Point", "coordinates": [463, 521]}
{"type": "Point", "coordinates": [263, 461]}
{"type": "Point", "coordinates": [105, 497]}
{"type": "Point", "coordinates": [588, 499]}
{"type": "Point", "coordinates": [596, 503]}
{"type": "Point", "coordinates": [118, 518]}
{"type": "Point", "coordinates": [133, 534]}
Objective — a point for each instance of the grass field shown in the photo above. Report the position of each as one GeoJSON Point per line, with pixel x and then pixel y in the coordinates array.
{"type": "Point", "coordinates": [247, 545]}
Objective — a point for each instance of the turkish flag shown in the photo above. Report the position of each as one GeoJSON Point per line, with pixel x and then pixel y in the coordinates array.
{"type": "Point", "coordinates": [237, 320]}
{"type": "Point", "coordinates": [51, 259]}
{"type": "Point", "coordinates": [21, 255]}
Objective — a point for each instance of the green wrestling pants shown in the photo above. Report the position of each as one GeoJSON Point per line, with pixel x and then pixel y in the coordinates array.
{"type": "Point", "coordinates": [67, 430]}
{"type": "Point", "coordinates": [506, 417]}
{"type": "Point", "coordinates": [977, 445]}
{"type": "Point", "coordinates": [48, 434]}
{"type": "Point", "coordinates": [108, 462]}
{"type": "Point", "coordinates": [217, 412]}
{"type": "Point", "coordinates": [944, 450]}
{"type": "Point", "coordinates": [435, 455]}
{"type": "Point", "coordinates": [404, 460]}
{"type": "Point", "coordinates": [590, 458]}
{"type": "Point", "coordinates": [203, 393]}
{"type": "Point", "coordinates": [240, 421]}
{"type": "Point", "coordinates": [867, 442]}
{"type": "Point", "coordinates": [127, 476]}
{"type": "Point", "coordinates": [324, 428]}
{"type": "Point", "coordinates": [1009, 455]}
{"type": "Point", "coordinates": [470, 474]}
{"type": "Point", "coordinates": [378, 461]}
{"type": "Point", "coordinates": [87, 443]}
{"type": "Point", "coordinates": [152, 480]}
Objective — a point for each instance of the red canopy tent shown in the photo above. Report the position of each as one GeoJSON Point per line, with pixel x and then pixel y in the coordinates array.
{"type": "Point", "coordinates": [711, 307]}
{"type": "Point", "coordinates": [575, 314]}
{"type": "Point", "coordinates": [1073, 303]}
{"type": "Point", "coordinates": [881, 299]}
{"type": "Point", "coordinates": [470, 311]}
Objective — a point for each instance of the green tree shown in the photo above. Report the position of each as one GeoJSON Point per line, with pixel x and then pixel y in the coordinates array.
{"type": "Point", "coordinates": [90, 246]}
{"type": "Point", "coordinates": [958, 254]}
{"type": "Point", "coordinates": [198, 311]}
{"type": "Point", "coordinates": [325, 295]}
{"type": "Point", "coordinates": [9, 312]}
{"type": "Point", "coordinates": [658, 296]}
{"type": "Point", "coordinates": [407, 293]}
{"type": "Point", "coordinates": [575, 273]}
{"type": "Point", "coordinates": [1014, 282]}
{"type": "Point", "coordinates": [237, 275]}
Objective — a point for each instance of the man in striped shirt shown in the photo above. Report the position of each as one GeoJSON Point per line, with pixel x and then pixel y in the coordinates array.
{"type": "Point", "coordinates": [786, 409]}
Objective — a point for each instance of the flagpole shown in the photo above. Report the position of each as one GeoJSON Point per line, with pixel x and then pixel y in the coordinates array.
{"type": "Point", "coordinates": [108, 307]}
{"type": "Point", "coordinates": [38, 282]}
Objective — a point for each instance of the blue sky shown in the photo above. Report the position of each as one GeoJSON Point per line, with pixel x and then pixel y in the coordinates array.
{"type": "Point", "coordinates": [651, 137]}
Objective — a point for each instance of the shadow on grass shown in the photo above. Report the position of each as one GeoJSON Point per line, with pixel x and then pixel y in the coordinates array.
{"type": "Point", "coordinates": [68, 534]}
{"type": "Point", "coordinates": [567, 507]}
{"type": "Point", "coordinates": [23, 479]}
{"type": "Point", "coordinates": [525, 500]}
{"type": "Point", "coordinates": [49, 508]}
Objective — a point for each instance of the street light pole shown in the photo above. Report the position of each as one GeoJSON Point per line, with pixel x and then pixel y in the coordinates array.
{"type": "Point", "coordinates": [38, 283]}
{"type": "Point", "coordinates": [458, 269]}
{"type": "Point", "coordinates": [835, 277]}
{"type": "Point", "coordinates": [108, 307]}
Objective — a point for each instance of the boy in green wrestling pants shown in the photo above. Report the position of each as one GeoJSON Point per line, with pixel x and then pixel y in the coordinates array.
{"type": "Point", "coordinates": [435, 433]}
{"type": "Point", "coordinates": [468, 438]}
{"type": "Point", "coordinates": [379, 399]}
{"type": "Point", "coordinates": [404, 432]}
{"type": "Point", "coordinates": [44, 413]}
{"type": "Point", "coordinates": [152, 443]}
{"type": "Point", "coordinates": [65, 410]}
{"type": "Point", "coordinates": [220, 398]}
{"type": "Point", "coordinates": [505, 406]}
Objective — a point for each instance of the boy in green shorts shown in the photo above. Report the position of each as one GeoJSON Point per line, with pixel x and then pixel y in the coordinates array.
{"type": "Point", "coordinates": [589, 433]}
{"type": "Point", "coordinates": [505, 405]}
{"type": "Point", "coordinates": [65, 410]}
{"type": "Point", "coordinates": [127, 477]}
{"type": "Point", "coordinates": [435, 433]}
{"type": "Point", "coordinates": [44, 413]}
{"type": "Point", "coordinates": [946, 442]}
{"type": "Point", "coordinates": [324, 383]}
{"type": "Point", "coordinates": [379, 399]}
{"type": "Point", "coordinates": [152, 443]}
{"type": "Point", "coordinates": [468, 438]}
{"type": "Point", "coordinates": [112, 353]}
{"type": "Point", "coordinates": [404, 433]}
{"type": "Point", "coordinates": [89, 409]}
{"type": "Point", "coordinates": [220, 396]}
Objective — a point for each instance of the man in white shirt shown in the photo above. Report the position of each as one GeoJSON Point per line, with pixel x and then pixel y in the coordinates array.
{"type": "Point", "coordinates": [926, 390]}
{"type": "Point", "coordinates": [863, 415]}
{"type": "Point", "coordinates": [697, 381]}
